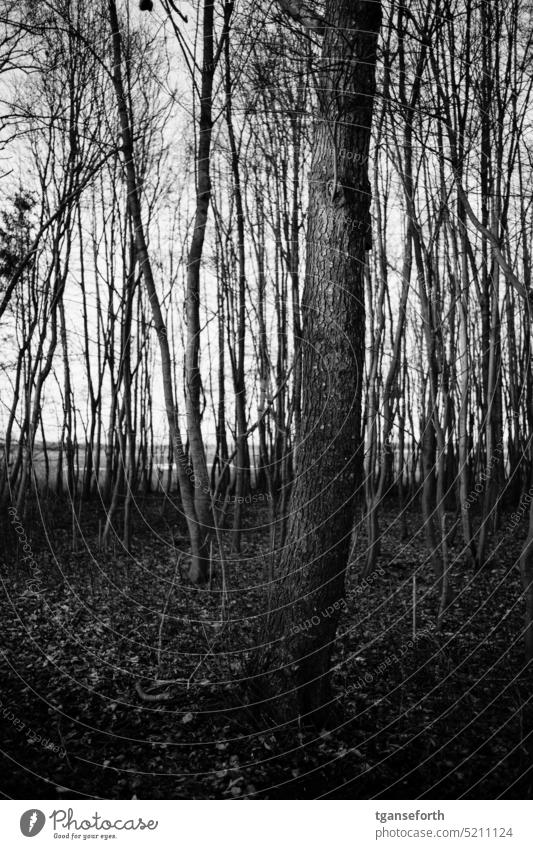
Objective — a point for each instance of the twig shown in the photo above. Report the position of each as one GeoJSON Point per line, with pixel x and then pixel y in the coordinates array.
{"type": "Point", "coordinates": [183, 17]}
{"type": "Point", "coordinates": [151, 697]}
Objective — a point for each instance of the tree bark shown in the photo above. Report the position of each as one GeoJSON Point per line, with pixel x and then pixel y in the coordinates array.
{"type": "Point", "coordinates": [303, 621]}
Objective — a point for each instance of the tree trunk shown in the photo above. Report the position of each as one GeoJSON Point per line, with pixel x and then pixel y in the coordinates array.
{"type": "Point", "coordinates": [195, 527]}
{"type": "Point", "coordinates": [303, 621]}
{"type": "Point", "coordinates": [526, 571]}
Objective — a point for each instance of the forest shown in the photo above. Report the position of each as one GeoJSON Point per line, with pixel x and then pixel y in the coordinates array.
{"type": "Point", "coordinates": [266, 399]}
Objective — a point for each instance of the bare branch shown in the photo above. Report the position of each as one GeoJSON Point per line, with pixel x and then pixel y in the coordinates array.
{"type": "Point", "coordinates": [299, 12]}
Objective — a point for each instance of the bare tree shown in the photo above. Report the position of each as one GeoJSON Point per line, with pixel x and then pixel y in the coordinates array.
{"type": "Point", "coordinates": [313, 563]}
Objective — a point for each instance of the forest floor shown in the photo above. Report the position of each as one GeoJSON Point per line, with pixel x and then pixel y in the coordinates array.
{"type": "Point", "coordinates": [427, 714]}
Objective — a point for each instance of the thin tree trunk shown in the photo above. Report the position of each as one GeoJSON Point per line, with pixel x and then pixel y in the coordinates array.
{"type": "Point", "coordinates": [198, 567]}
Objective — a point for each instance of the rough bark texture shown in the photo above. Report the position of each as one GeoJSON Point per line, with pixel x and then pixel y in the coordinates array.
{"type": "Point", "coordinates": [303, 621]}
{"type": "Point", "coordinates": [526, 571]}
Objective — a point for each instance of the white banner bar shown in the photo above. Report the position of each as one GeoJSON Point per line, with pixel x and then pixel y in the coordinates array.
{"type": "Point", "coordinates": [269, 825]}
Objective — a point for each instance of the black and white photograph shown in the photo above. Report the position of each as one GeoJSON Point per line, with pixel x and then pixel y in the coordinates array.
{"type": "Point", "coordinates": [266, 410]}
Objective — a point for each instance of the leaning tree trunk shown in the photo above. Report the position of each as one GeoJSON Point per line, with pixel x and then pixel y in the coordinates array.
{"type": "Point", "coordinates": [194, 523]}
{"type": "Point", "coordinates": [303, 621]}
{"type": "Point", "coordinates": [202, 493]}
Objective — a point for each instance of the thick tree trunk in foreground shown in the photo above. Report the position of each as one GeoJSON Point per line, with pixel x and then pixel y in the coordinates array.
{"type": "Point", "coordinates": [307, 601]}
{"type": "Point", "coordinates": [526, 571]}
